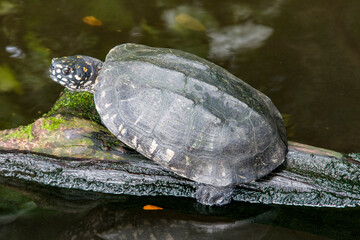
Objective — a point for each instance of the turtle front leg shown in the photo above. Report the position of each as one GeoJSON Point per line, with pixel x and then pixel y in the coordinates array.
{"type": "Point", "coordinates": [210, 195]}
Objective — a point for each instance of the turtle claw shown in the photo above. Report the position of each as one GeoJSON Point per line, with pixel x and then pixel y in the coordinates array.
{"type": "Point", "coordinates": [210, 195]}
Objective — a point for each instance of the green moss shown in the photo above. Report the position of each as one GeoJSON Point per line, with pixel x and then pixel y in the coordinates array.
{"type": "Point", "coordinates": [80, 104]}
{"type": "Point", "coordinates": [52, 123]}
{"type": "Point", "coordinates": [22, 132]}
{"type": "Point", "coordinates": [27, 132]}
{"type": "Point", "coordinates": [86, 142]}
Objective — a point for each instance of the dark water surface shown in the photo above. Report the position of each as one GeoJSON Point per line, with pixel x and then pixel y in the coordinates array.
{"type": "Point", "coordinates": [305, 55]}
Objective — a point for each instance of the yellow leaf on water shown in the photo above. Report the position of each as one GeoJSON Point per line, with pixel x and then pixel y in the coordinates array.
{"type": "Point", "coordinates": [92, 21]}
{"type": "Point", "coordinates": [189, 22]}
{"type": "Point", "coordinates": [152, 207]}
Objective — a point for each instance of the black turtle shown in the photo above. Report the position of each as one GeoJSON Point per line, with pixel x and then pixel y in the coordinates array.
{"type": "Point", "coordinates": [184, 112]}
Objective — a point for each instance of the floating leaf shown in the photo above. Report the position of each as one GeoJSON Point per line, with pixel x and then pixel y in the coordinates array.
{"type": "Point", "coordinates": [184, 18]}
{"type": "Point", "coordinates": [152, 207]}
{"type": "Point", "coordinates": [8, 81]}
{"type": "Point", "coordinates": [189, 22]}
{"type": "Point", "coordinates": [92, 21]}
{"type": "Point", "coordinates": [7, 8]}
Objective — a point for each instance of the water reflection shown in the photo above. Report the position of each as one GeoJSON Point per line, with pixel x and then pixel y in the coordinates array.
{"type": "Point", "coordinates": [15, 52]}
{"type": "Point", "coordinates": [51, 213]}
{"type": "Point", "coordinates": [237, 39]}
{"type": "Point", "coordinates": [112, 223]}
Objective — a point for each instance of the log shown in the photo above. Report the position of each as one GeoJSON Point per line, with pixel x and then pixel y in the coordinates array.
{"type": "Point", "coordinates": [68, 148]}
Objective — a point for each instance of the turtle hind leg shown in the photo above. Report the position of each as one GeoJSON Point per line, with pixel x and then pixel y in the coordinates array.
{"type": "Point", "coordinates": [211, 195]}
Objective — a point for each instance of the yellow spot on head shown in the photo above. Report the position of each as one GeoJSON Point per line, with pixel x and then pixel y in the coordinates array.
{"type": "Point", "coordinates": [87, 63]}
{"type": "Point", "coordinates": [152, 207]}
{"type": "Point", "coordinates": [187, 160]}
{"type": "Point", "coordinates": [85, 69]}
{"type": "Point", "coordinates": [79, 56]}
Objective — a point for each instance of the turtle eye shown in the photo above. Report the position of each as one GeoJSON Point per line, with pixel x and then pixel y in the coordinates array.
{"type": "Point", "coordinates": [65, 71]}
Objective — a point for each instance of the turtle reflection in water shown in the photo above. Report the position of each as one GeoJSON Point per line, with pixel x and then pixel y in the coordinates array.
{"type": "Point", "coordinates": [110, 223]}
{"type": "Point", "coordinates": [183, 112]}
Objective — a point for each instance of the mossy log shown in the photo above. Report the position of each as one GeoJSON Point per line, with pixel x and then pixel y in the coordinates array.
{"type": "Point", "coordinates": [69, 148]}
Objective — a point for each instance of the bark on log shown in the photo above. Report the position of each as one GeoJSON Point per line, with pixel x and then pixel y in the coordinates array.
{"type": "Point", "coordinates": [310, 177]}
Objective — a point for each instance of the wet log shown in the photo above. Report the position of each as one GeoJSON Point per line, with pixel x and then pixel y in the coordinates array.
{"type": "Point", "coordinates": [68, 148]}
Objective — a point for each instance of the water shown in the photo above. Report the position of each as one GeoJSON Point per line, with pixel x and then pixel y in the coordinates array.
{"type": "Point", "coordinates": [304, 55]}
{"type": "Point", "coordinates": [43, 213]}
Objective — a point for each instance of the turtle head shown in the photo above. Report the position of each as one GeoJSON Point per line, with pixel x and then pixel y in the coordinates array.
{"type": "Point", "coordinates": [77, 73]}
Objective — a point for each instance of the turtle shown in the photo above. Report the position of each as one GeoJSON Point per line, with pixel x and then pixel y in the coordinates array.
{"type": "Point", "coordinates": [187, 114]}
